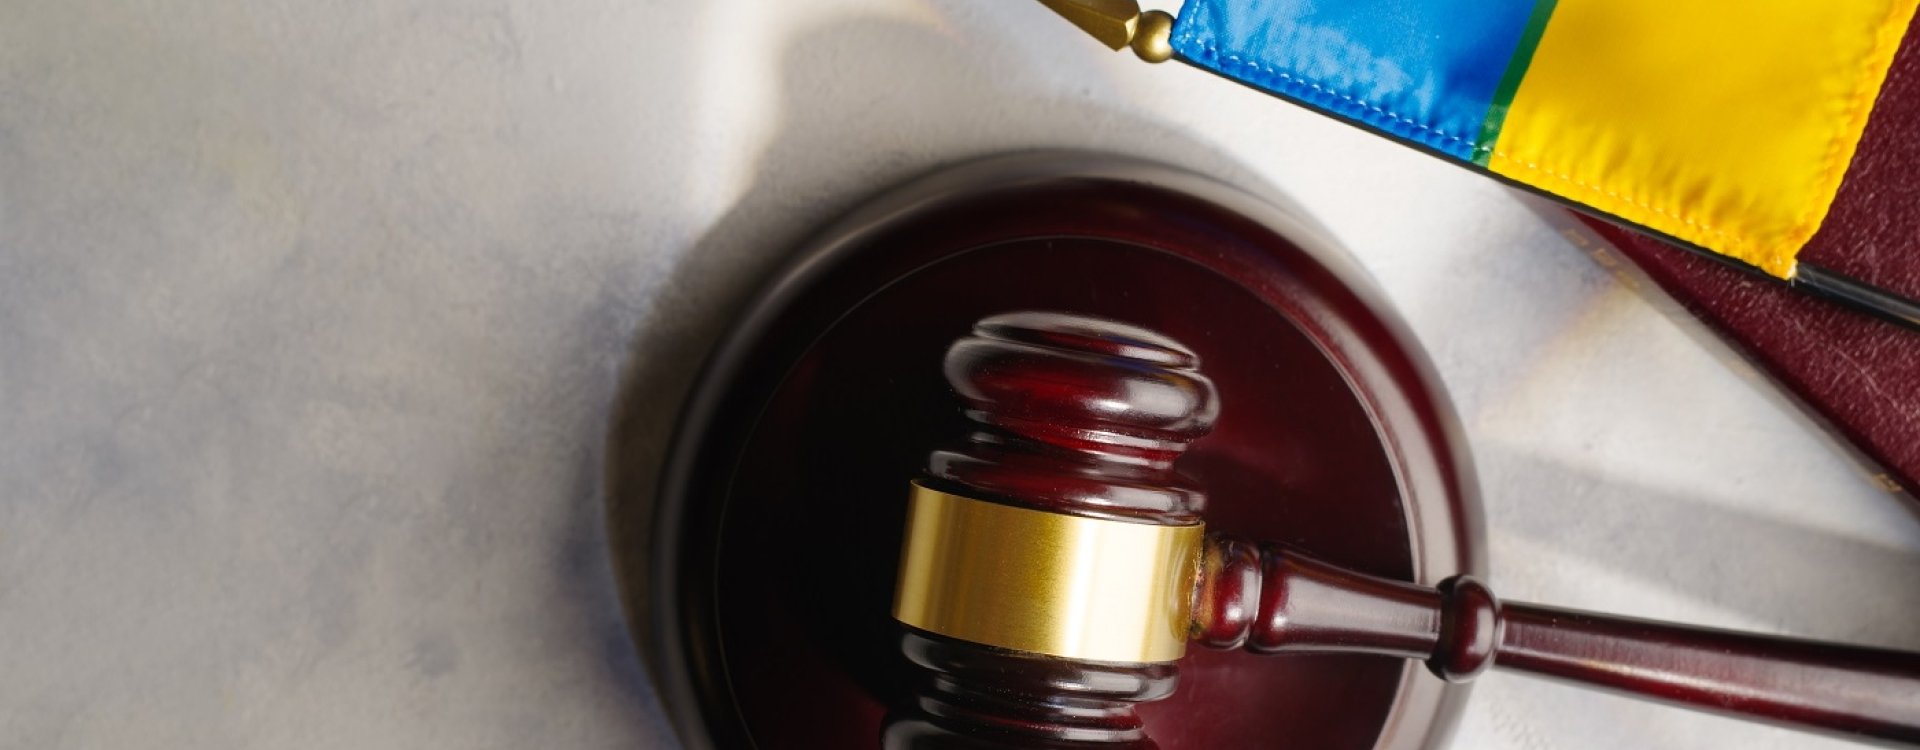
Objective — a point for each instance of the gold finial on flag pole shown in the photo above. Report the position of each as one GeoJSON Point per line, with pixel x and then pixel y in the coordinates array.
{"type": "Point", "coordinates": [1120, 24]}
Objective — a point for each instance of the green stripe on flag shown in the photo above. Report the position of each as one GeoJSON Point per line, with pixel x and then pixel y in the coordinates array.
{"type": "Point", "coordinates": [1510, 82]}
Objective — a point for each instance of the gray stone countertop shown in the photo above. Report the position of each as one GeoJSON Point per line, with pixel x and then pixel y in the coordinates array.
{"type": "Point", "coordinates": [313, 312]}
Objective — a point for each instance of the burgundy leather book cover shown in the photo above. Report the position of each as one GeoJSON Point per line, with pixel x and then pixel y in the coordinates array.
{"type": "Point", "coordinates": [1858, 375]}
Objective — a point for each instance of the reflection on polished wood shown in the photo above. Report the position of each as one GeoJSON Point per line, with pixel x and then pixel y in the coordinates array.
{"type": "Point", "coordinates": [1083, 417]}
{"type": "Point", "coordinates": [763, 581]}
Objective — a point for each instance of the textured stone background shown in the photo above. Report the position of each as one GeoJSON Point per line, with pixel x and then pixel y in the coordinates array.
{"type": "Point", "coordinates": [313, 313]}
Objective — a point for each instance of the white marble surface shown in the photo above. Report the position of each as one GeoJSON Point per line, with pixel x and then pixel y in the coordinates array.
{"type": "Point", "coordinates": [312, 313]}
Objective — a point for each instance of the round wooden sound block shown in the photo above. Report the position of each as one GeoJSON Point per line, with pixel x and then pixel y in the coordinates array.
{"type": "Point", "coordinates": [768, 582]}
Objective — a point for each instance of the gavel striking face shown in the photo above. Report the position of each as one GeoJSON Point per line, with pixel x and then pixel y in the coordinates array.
{"type": "Point", "coordinates": [1056, 565]}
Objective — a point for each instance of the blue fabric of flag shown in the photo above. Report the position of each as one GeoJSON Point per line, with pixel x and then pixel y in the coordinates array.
{"type": "Point", "coordinates": [1425, 71]}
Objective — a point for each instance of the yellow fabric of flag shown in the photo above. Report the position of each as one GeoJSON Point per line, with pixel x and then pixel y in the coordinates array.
{"type": "Point", "coordinates": [1729, 125]}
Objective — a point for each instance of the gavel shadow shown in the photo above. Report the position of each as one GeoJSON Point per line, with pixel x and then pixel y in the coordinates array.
{"type": "Point", "coordinates": [1795, 579]}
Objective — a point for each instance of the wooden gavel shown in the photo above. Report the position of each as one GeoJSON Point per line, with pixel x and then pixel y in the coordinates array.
{"type": "Point", "coordinates": [1056, 566]}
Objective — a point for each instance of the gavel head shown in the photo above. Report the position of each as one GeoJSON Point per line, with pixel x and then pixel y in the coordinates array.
{"type": "Point", "coordinates": [1049, 570]}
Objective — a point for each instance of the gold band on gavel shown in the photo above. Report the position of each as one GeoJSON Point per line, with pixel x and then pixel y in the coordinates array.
{"type": "Point", "coordinates": [1047, 583]}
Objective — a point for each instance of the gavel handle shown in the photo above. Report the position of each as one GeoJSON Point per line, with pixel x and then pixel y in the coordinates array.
{"type": "Point", "coordinates": [1460, 629]}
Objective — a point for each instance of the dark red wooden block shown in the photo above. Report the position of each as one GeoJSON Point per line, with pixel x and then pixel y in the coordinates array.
{"type": "Point", "coordinates": [769, 578]}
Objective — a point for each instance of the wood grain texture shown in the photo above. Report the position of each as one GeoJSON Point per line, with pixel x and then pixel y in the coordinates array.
{"type": "Point", "coordinates": [1460, 629]}
{"type": "Point", "coordinates": [1085, 416]}
{"type": "Point", "coordinates": [780, 529]}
